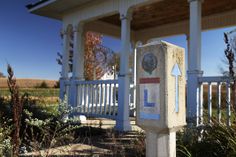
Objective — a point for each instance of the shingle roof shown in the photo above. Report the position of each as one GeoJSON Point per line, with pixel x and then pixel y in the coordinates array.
{"type": "Point", "coordinates": [30, 6]}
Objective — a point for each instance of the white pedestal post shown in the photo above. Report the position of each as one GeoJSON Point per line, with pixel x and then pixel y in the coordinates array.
{"type": "Point", "coordinates": [160, 145]}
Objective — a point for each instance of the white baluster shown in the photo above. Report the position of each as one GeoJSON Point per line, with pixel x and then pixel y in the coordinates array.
{"type": "Point", "coordinates": [92, 109]}
{"type": "Point", "coordinates": [85, 97]}
{"type": "Point", "coordinates": [97, 98]}
{"type": "Point", "coordinates": [109, 99]}
{"type": "Point", "coordinates": [209, 102]}
{"type": "Point", "coordinates": [101, 97]}
{"type": "Point", "coordinates": [228, 102]}
{"type": "Point", "coordinates": [105, 98]}
{"type": "Point", "coordinates": [201, 91]}
{"type": "Point", "coordinates": [219, 102]}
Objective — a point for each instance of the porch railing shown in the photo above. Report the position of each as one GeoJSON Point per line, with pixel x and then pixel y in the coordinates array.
{"type": "Point", "coordinates": [97, 98]}
{"type": "Point", "coordinates": [214, 96]}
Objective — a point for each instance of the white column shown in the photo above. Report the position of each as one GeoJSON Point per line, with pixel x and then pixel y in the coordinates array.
{"type": "Point", "coordinates": [78, 57]}
{"type": "Point", "coordinates": [194, 65]}
{"type": "Point", "coordinates": [78, 63]}
{"type": "Point", "coordinates": [123, 122]}
{"type": "Point", "coordinates": [65, 64]}
{"type": "Point", "coordinates": [188, 45]}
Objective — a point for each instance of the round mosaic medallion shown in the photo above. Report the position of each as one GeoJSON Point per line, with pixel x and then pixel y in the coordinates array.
{"type": "Point", "coordinates": [149, 62]}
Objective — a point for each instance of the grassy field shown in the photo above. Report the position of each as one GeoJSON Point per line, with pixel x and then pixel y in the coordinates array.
{"type": "Point", "coordinates": [28, 83]}
{"type": "Point", "coordinates": [43, 96]}
{"type": "Point", "coordinates": [33, 92]}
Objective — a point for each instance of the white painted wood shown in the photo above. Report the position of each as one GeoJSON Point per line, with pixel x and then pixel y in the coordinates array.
{"type": "Point", "coordinates": [114, 100]}
{"type": "Point", "coordinates": [214, 79]}
{"type": "Point", "coordinates": [109, 99]}
{"type": "Point", "coordinates": [89, 98]}
{"type": "Point", "coordinates": [65, 65]}
{"type": "Point", "coordinates": [228, 103]}
{"type": "Point", "coordinates": [65, 55]}
{"type": "Point", "coordinates": [101, 98]}
{"type": "Point", "coordinates": [81, 96]}
{"type": "Point", "coordinates": [106, 29]}
{"type": "Point", "coordinates": [194, 66]}
{"type": "Point", "coordinates": [85, 97]}
{"type": "Point", "coordinates": [218, 82]}
{"type": "Point", "coordinates": [201, 91]}
{"type": "Point", "coordinates": [123, 122]}
{"type": "Point", "coordinates": [188, 49]}
{"type": "Point", "coordinates": [195, 35]}
{"type": "Point", "coordinates": [92, 97]}
{"type": "Point", "coordinates": [134, 77]}
{"type": "Point", "coordinates": [105, 99]}
{"type": "Point", "coordinates": [219, 102]}
{"type": "Point", "coordinates": [96, 99]}
{"type": "Point", "coordinates": [77, 72]}
{"type": "Point", "coordinates": [209, 102]}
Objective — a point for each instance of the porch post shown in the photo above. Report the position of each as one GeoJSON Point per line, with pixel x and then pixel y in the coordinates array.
{"type": "Point", "coordinates": [78, 63]}
{"type": "Point", "coordinates": [65, 64]}
{"type": "Point", "coordinates": [123, 122]}
{"type": "Point", "coordinates": [194, 65]}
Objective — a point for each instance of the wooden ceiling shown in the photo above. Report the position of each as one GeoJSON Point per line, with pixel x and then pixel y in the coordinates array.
{"type": "Point", "coordinates": [170, 11]}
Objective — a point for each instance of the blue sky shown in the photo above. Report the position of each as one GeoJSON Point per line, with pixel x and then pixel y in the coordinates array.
{"type": "Point", "coordinates": [30, 43]}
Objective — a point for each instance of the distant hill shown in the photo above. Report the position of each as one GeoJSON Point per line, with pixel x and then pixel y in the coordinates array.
{"type": "Point", "coordinates": [27, 83]}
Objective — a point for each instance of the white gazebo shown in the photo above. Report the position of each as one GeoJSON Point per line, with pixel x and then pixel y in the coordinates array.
{"type": "Point", "coordinates": [135, 21]}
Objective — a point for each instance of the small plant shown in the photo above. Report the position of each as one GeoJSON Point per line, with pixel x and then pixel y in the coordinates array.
{"type": "Point", "coordinates": [5, 137]}
{"type": "Point", "coordinates": [51, 132]}
{"type": "Point", "coordinates": [17, 105]}
{"type": "Point", "coordinates": [212, 140]}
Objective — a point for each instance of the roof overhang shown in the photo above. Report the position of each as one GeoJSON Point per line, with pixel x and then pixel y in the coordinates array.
{"type": "Point", "coordinates": [54, 8]}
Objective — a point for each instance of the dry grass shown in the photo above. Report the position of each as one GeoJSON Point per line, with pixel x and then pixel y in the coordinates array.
{"type": "Point", "coordinates": [27, 83]}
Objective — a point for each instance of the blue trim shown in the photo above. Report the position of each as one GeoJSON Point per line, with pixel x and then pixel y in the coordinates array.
{"type": "Point", "coordinates": [146, 103]}
{"type": "Point", "coordinates": [149, 116]}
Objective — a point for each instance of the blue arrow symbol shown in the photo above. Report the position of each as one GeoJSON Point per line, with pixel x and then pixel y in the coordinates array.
{"type": "Point", "coordinates": [176, 73]}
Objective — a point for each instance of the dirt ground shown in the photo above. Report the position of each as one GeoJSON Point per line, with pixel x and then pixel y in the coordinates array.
{"type": "Point", "coordinates": [101, 140]}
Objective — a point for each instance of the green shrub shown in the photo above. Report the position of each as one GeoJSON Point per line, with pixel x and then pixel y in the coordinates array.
{"type": "Point", "coordinates": [45, 133]}
{"type": "Point", "coordinates": [5, 137]}
{"type": "Point", "coordinates": [214, 140]}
